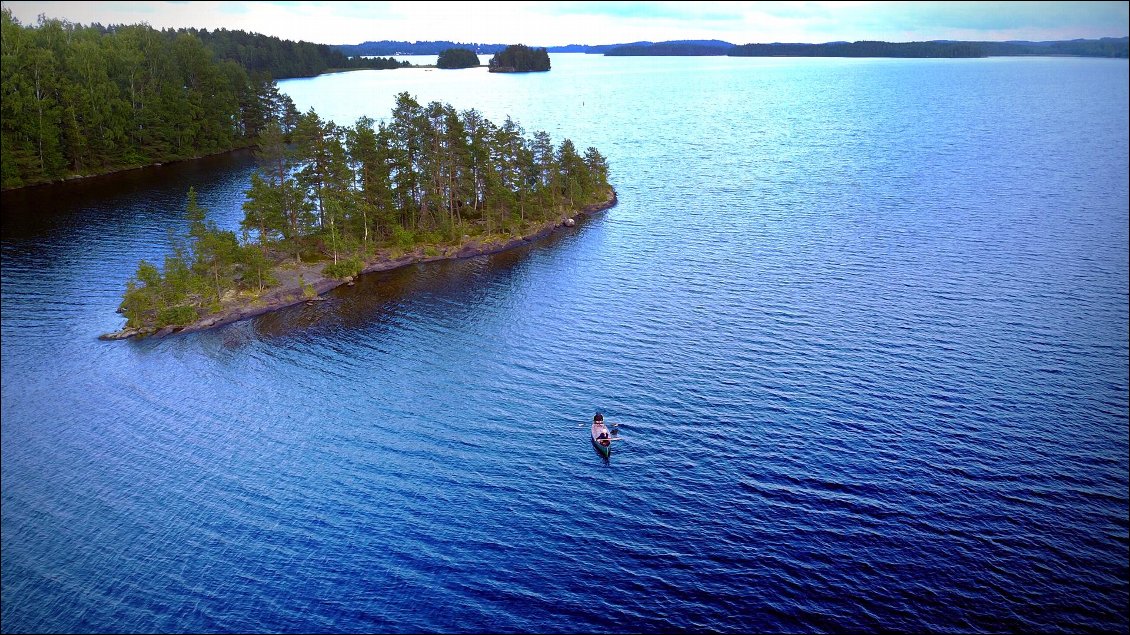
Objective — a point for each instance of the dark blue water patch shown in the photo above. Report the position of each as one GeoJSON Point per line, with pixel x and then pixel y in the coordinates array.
{"type": "Point", "coordinates": [863, 324]}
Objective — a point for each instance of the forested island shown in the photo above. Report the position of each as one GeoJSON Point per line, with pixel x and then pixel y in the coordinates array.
{"type": "Point", "coordinates": [457, 58]}
{"type": "Point", "coordinates": [519, 58]}
{"type": "Point", "coordinates": [329, 202]}
{"type": "Point", "coordinates": [80, 101]}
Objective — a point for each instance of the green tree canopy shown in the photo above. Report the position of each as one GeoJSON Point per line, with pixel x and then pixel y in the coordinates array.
{"type": "Point", "coordinates": [519, 58]}
{"type": "Point", "coordinates": [428, 177]}
{"type": "Point", "coordinates": [457, 58]}
{"type": "Point", "coordinates": [89, 100]}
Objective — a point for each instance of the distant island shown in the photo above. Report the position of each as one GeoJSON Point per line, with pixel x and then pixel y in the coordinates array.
{"type": "Point", "coordinates": [1104, 47]}
{"type": "Point", "coordinates": [329, 203]}
{"type": "Point", "coordinates": [457, 58]}
{"type": "Point", "coordinates": [519, 58]}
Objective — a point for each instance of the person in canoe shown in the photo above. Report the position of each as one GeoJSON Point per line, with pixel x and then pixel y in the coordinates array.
{"type": "Point", "coordinates": [598, 422]}
{"type": "Point", "coordinates": [600, 437]}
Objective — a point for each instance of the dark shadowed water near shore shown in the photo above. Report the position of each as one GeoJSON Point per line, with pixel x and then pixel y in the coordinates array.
{"type": "Point", "coordinates": [864, 323]}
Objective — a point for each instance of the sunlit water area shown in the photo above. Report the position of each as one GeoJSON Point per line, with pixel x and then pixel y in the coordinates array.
{"type": "Point", "coordinates": [863, 324]}
{"type": "Point", "coordinates": [424, 60]}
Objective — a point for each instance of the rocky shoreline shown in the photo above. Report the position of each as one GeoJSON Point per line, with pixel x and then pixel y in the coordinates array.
{"type": "Point", "coordinates": [296, 287]}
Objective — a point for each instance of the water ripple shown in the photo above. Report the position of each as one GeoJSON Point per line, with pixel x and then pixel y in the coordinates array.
{"type": "Point", "coordinates": [870, 364]}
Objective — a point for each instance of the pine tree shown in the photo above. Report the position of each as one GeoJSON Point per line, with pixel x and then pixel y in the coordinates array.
{"type": "Point", "coordinates": [572, 172]}
{"type": "Point", "coordinates": [424, 174]}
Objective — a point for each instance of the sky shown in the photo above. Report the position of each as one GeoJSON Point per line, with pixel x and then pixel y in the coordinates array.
{"type": "Point", "coordinates": [559, 23]}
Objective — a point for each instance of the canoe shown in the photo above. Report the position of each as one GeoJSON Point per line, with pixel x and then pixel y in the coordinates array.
{"type": "Point", "coordinates": [601, 439]}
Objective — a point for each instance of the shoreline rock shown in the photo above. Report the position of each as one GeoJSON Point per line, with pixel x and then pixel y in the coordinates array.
{"type": "Point", "coordinates": [291, 293]}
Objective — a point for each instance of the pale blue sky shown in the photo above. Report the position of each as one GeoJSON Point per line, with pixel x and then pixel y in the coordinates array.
{"type": "Point", "coordinates": [555, 23]}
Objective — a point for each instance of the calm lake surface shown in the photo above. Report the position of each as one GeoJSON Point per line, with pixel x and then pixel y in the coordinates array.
{"type": "Point", "coordinates": [864, 324]}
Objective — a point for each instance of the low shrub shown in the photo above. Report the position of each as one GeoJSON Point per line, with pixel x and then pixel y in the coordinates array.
{"type": "Point", "coordinates": [343, 268]}
{"type": "Point", "coordinates": [179, 315]}
{"type": "Point", "coordinates": [403, 238]}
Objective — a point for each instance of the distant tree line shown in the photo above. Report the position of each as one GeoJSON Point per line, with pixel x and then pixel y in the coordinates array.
{"type": "Point", "coordinates": [457, 58]}
{"type": "Point", "coordinates": [86, 100]}
{"type": "Point", "coordinates": [401, 47]}
{"type": "Point", "coordinates": [429, 176]}
{"type": "Point", "coordinates": [860, 49]}
{"type": "Point", "coordinates": [283, 58]}
{"type": "Point", "coordinates": [519, 58]}
{"type": "Point", "coordinates": [1105, 47]}
{"type": "Point", "coordinates": [671, 48]}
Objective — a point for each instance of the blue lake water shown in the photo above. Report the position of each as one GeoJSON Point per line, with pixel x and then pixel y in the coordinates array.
{"type": "Point", "coordinates": [864, 324]}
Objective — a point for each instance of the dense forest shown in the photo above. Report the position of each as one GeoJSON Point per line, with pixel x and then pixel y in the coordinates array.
{"type": "Point", "coordinates": [86, 100]}
{"type": "Point", "coordinates": [81, 100]}
{"type": "Point", "coordinates": [280, 58]}
{"type": "Point", "coordinates": [430, 176]}
{"type": "Point", "coordinates": [519, 58]}
{"type": "Point", "coordinates": [457, 58]}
